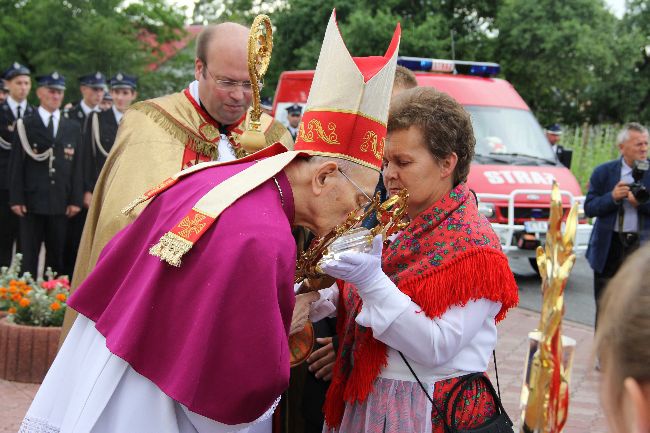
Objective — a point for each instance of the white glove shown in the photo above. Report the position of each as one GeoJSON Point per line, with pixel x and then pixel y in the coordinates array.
{"type": "Point", "coordinates": [364, 271]}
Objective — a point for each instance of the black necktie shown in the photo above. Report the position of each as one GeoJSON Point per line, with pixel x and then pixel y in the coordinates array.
{"type": "Point", "coordinates": [50, 126]}
{"type": "Point", "coordinates": [18, 113]}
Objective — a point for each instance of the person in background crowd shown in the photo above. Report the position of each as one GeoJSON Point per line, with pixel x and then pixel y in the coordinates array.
{"type": "Point", "coordinates": [18, 82]}
{"type": "Point", "coordinates": [404, 79]}
{"type": "Point", "coordinates": [45, 182]}
{"type": "Point", "coordinates": [100, 134]}
{"type": "Point", "coordinates": [159, 137]}
{"type": "Point", "coordinates": [4, 91]}
{"type": "Point", "coordinates": [92, 91]}
{"type": "Point", "coordinates": [294, 113]}
{"type": "Point", "coordinates": [553, 135]}
{"type": "Point", "coordinates": [621, 344]}
{"type": "Point", "coordinates": [107, 102]}
{"type": "Point", "coordinates": [92, 88]}
{"type": "Point", "coordinates": [267, 106]}
{"type": "Point", "coordinates": [622, 223]}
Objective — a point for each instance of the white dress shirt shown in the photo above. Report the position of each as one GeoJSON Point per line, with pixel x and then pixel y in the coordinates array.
{"type": "Point", "coordinates": [13, 104]}
{"type": "Point", "coordinates": [45, 117]}
{"type": "Point", "coordinates": [86, 109]}
{"type": "Point", "coordinates": [630, 215]}
{"type": "Point", "coordinates": [117, 113]}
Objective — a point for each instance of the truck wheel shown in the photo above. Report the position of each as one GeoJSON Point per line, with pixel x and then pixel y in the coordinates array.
{"type": "Point", "coordinates": [533, 264]}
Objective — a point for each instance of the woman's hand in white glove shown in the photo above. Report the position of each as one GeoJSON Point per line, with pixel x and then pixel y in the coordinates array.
{"type": "Point", "coordinates": [363, 270]}
{"type": "Point", "coordinates": [357, 268]}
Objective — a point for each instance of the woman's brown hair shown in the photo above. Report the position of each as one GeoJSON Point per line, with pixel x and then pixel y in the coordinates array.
{"type": "Point", "coordinates": [445, 125]}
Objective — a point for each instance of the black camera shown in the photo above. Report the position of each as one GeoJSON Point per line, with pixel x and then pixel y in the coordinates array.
{"type": "Point", "coordinates": [637, 188]}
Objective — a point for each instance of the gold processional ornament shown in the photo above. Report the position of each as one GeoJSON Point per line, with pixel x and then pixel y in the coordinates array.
{"type": "Point", "coordinates": [348, 236]}
{"type": "Point", "coordinates": [260, 46]}
{"type": "Point", "coordinates": [545, 390]}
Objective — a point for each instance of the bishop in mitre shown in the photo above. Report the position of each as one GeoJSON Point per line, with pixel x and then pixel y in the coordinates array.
{"type": "Point", "coordinates": [183, 323]}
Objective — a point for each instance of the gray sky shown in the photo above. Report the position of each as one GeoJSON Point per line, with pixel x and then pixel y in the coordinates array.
{"type": "Point", "coordinates": [616, 6]}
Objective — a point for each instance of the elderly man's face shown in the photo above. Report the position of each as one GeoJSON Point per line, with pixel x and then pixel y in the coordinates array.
{"type": "Point", "coordinates": [222, 79]}
{"type": "Point", "coordinates": [635, 148]}
{"type": "Point", "coordinates": [552, 138]}
{"type": "Point", "coordinates": [50, 98]}
{"type": "Point", "coordinates": [336, 191]}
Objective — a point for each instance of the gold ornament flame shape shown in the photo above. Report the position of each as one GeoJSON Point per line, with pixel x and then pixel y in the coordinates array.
{"type": "Point", "coordinates": [315, 127]}
{"type": "Point", "coordinates": [546, 407]}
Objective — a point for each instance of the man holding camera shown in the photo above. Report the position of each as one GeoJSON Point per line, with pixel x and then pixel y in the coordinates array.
{"type": "Point", "coordinates": [618, 197]}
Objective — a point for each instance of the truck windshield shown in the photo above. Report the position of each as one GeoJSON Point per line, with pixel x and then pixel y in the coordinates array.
{"type": "Point", "coordinates": [507, 133]}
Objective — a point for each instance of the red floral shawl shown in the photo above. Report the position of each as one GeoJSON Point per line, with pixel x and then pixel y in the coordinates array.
{"type": "Point", "coordinates": [448, 255]}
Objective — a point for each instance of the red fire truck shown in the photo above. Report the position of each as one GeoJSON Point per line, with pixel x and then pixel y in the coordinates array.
{"type": "Point", "coordinates": [514, 165]}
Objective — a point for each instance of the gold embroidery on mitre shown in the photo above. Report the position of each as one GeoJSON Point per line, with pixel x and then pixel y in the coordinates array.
{"type": "Point", "coordinates": [191, 226]}
{"type": "Point", "coordinates": [377, 146]}
{"type": "Point", "coordinates": [314, 125]}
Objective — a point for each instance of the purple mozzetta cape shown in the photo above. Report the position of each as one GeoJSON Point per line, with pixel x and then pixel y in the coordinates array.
{"type": "Point", "coordinates": [211, 334]}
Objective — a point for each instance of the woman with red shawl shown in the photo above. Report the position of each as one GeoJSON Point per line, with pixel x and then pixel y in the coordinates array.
{"type": "Point", "coordinates": [434, 293]}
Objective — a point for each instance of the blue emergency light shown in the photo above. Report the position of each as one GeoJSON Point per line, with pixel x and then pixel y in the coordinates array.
{"type": "Point", "coordinates": [481, 69]}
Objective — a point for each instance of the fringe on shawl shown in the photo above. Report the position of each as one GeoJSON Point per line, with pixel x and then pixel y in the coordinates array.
{"type": "Point", "coordinates": [485, 274]}
{"type": "Point", "coordinates": [177, 130]}
{"type": "Point", "coordinates": [479, 273]}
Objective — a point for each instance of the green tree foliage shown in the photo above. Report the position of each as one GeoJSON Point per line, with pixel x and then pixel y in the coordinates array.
{"type": "Point", "coordinates": [367, 26]}
{"type": "Point", "coordinates": [636, 26]}
{"type": "Point", "coordinates": [556, 53]}
{"type": "Point", "coordinates": [76, 37]}
{"type": "Point", "coordinates": [239, 11]}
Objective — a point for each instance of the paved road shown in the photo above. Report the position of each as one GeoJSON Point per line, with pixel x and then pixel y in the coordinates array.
{"type": "Point", "coordinates": [579, 292]}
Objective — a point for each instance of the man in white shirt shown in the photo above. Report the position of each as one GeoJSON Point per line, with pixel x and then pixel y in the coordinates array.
{"type": "Point", "coordinates": [92, 88]}
{"type": "Point", "coordinates": [18, 83]}
{"type": "Point", "coordinates": [622, 221]}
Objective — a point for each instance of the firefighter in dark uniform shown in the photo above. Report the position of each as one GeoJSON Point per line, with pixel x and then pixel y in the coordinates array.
{"type": "Point", "coordinates": [294, 114]}
{"type": "Point", "coordinates": [92, 87]}
{"type": "Point", "coordinates": [4, 91]}
{"type": "Point", "coordinates": [45, 183]}
{"type": "Point", "coordinates": [101, 130]}
{"type": "Point", "coordinates": [18, 82]}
